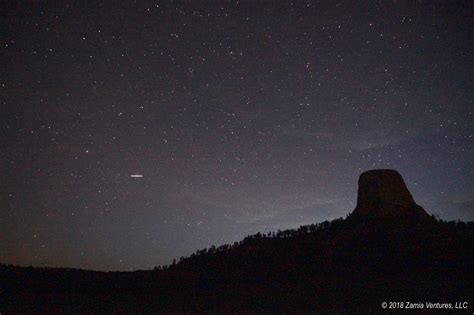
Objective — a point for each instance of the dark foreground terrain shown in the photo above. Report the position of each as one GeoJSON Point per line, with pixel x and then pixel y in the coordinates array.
{"type": "Point", "coordinates": [387, 250]}
{"type": "Point", "coordinates": [337, 266]}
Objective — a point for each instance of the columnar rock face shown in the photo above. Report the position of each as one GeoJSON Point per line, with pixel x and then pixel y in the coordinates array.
{"type": "Point", "coordinates": [383, 193]}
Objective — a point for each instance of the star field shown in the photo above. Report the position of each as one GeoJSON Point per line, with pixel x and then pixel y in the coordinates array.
{"type": "Point", "coordinates": [134, 133]}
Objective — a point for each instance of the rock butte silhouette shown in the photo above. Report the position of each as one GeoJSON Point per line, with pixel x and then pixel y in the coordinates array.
{"type": "Point", "coordinates": [382, 193]}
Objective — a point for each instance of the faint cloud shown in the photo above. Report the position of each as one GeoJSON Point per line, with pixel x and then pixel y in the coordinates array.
{"type": "Point", "coordinates": [258, 208]}
{"type": "Point", "coordinates": [354, 141]}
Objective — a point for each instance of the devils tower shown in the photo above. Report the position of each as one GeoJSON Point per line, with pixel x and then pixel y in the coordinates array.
{"type": "Point", "coordinates": [382, 193]}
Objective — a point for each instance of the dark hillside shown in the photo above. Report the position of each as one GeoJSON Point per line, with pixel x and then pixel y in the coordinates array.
{"type": "Point", "coordinates": [340, 266]}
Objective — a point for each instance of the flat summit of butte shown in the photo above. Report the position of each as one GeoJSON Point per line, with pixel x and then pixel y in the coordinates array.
{"type": "Point", "coordinates": [382, 193]}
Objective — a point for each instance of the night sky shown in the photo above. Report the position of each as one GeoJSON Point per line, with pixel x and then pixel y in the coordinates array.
{"type": "Point", "coordinates": [234, 117]}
